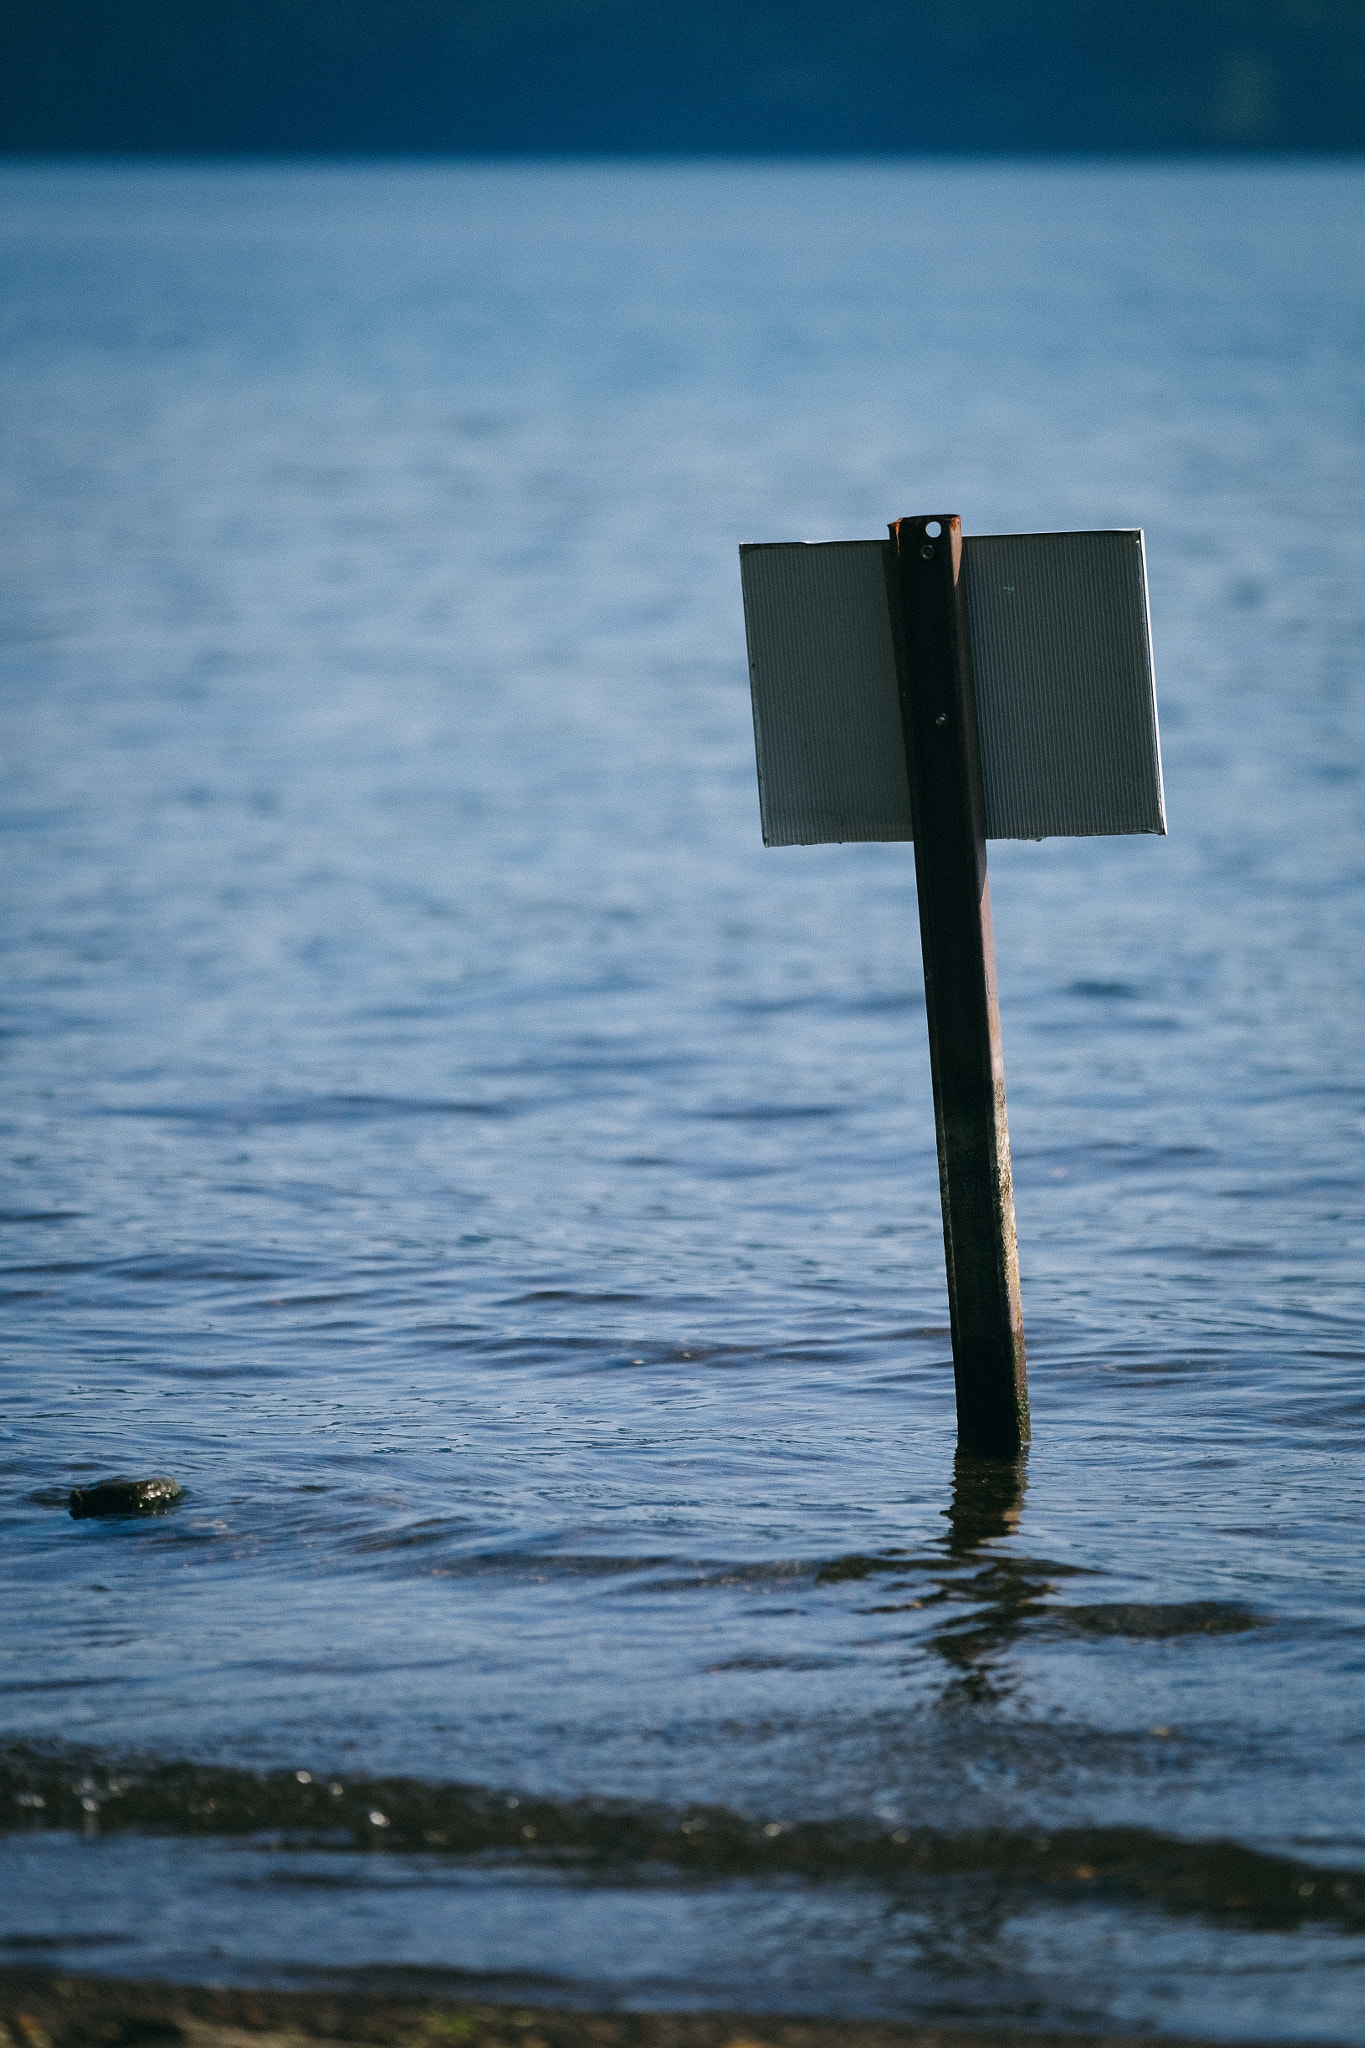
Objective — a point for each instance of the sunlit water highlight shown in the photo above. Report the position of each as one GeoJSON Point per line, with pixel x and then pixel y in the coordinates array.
{"type": "Point", "coordinates": [440, 1135]}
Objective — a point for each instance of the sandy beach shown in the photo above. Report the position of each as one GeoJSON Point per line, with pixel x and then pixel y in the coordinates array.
{"type": "Point", "coordinates": [41, 2009]}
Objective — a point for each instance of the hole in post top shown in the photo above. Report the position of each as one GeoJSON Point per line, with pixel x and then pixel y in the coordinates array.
{"type": "Point", "coordinates": [933, 529]}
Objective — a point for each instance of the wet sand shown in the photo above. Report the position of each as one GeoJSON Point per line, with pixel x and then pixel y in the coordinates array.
{"type": "Point", "coordinates": [41, 2009]}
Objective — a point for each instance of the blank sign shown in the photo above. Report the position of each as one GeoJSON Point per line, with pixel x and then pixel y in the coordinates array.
{"type": "Point", "coordinates": [1061, 661]}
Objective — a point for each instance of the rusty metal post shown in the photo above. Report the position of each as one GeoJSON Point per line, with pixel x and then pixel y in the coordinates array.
{"type": "Point", "coordinates": [938, 712]}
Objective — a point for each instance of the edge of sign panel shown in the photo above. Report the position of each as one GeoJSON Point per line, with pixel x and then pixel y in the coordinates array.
{"type": "Point", "coordinates": [1061, 639]}
{"type": "Point", "coordinates": [826, 701]}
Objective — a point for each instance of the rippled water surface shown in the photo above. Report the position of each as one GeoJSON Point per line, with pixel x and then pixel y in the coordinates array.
{"type": "Point", "coordinates": [439, 1134]}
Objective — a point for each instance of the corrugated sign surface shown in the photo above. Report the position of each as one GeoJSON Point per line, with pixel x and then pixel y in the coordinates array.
{"type": "Point", "coordinates": [1065, 702]}
{"type": "Point", "coordinates": [822, 669]}
{"type": "Point", "coordinates": [1062, 662]}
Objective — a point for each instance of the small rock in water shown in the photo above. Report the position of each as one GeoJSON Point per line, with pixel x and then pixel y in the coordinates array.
{"type": "Point", "coordinates": [125, 1497]}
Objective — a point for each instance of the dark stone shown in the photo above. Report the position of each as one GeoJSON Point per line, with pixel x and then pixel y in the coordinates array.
{"type": "Point", "coordinates": [126, 1497]}
{"type": "Point", "coordinates": [141, 2029]}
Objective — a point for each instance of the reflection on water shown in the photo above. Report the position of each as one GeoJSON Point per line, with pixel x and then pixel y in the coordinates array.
{"type": "Point", "coordinates": [988, 1496]}
{"type": "Point", "coordinates": [1004, 1590]}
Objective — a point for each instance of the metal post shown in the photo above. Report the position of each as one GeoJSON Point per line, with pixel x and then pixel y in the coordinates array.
{"type": "Point", "coordinates": [938, 712]}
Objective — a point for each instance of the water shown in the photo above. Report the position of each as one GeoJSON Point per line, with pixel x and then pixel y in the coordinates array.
{"type": "Point", "coordinates": [438, 1132]}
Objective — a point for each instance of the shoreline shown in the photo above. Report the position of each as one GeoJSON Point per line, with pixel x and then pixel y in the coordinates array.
{"type": "Point", "coordinates": [56, 2009]}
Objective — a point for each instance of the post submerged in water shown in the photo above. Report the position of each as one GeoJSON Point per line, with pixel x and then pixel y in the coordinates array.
{"type": "Point", "coordinates": [947, 806]}
{"type": "Point", "coordinates": [950, 690]}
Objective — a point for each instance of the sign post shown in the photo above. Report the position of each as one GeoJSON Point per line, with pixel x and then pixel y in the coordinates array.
{"type": "Point", "coordinates": [947, 812]}
{"type": "Point", "coordinates": [951, 690]}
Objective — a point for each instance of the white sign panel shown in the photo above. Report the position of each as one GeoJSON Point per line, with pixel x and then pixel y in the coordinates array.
{"type": "Point", "coordinates": [1061, 660]}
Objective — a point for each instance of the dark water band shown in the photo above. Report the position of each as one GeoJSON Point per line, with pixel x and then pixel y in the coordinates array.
{"type": "Point", "coordinates": [69, 1789]}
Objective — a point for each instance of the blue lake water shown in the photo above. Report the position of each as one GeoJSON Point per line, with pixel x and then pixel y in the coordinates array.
{"type": "Point", "coordinates": [436, 1131]}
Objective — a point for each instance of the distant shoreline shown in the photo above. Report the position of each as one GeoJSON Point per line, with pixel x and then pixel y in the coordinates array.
{"type": "Point", "coordinates": [52, 2009]}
